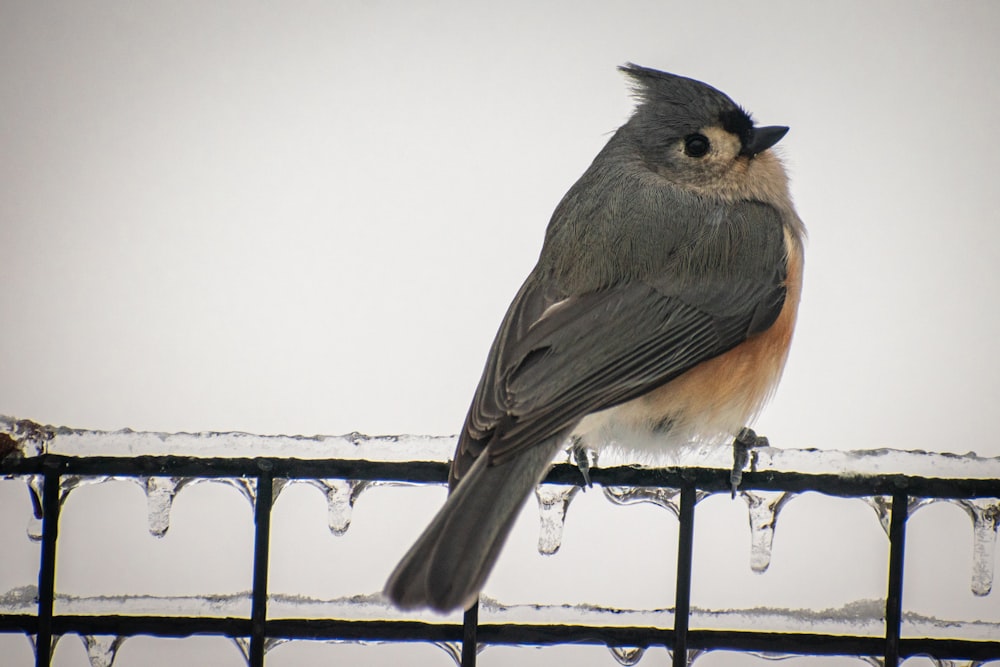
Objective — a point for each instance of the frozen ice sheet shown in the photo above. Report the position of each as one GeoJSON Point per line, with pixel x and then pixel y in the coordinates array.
{"type": "Point", "coordinates": [861, 618]}
{"type": "Point", "coordinates": [31, 439]}
{"type": "Point", "coordinates": [24, 600]}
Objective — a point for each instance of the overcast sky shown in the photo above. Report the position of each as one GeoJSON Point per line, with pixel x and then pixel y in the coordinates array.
{"type": "Point", "coordinates": [309, 217]}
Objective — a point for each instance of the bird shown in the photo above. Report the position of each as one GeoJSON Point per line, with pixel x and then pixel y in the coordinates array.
{"type": "Point", "coordinates": [659, 314]}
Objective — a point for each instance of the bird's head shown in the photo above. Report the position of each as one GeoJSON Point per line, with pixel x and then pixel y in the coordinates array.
{"type": "Point", "coordinates": [697, 137]}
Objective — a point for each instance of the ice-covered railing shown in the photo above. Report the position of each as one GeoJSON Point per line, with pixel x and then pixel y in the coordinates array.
{"type": "Point", "coordinates": [343, 467]}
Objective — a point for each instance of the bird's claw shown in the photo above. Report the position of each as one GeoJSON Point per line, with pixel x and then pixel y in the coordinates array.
{"type": "Point", "coordinates": [745, 441]}
{"type": "Point", "coordinates": [582, 458]}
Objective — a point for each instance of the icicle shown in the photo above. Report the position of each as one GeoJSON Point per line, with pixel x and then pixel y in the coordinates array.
{"type": "Point", "coordinates": [35, 487]}
{"type": "Point", "coordinates": [883, 508]}
{"type": "Point", "coordinates": [553, 501]}
{"type": "Point", "coordinates": [763, 508]}
{"type": "Point", "coordinates": [102, 649]}
{"type": "Point", "coordinates": [160, 493]}
{"type": "Point", "coordinates": [271, 642]}
{"type": "Point", "coordinates": [627, 655]}
{"type": "Point", "coordinates": [341, 494]}
{"type": "Point", "coordinates": [668, 499]}
{"type": "Point", "coordinates": [34, 644]}
{"type": "Point", "coordinates": [984, 513]}
{"type": "Point", "coordinates": [692, 655]}
{"type": "Point", "coordinates": [35, 529]}
{"type": "Point", "coordinates": [340, 499]}
{"type": "Point", "coordinates": [771, 655]}
{"type": "Point", "coordinates": [277, 486]}
{"type": "Point", "coordinates": [453, 649]}
{"type": "Point", "coordinates": [247, 486]}
{"type": "Point", "coordinates": [35, 483]}
{"type": "Point", "coordinates": [243, 644]}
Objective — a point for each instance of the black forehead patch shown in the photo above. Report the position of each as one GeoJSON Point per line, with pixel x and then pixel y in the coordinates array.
{"type": "Point", "coordinates": [736, 121]}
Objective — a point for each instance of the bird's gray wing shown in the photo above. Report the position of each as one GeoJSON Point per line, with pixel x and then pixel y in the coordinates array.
{"type": "Point", "coordinates": [555, 359]}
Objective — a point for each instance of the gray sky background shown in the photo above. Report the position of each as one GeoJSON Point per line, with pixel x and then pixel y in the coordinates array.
{"type": "Point", "coordinates": [309, 217]}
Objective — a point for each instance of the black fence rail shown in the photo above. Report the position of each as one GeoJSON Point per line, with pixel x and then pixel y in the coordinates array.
{"type": "Point", "coordinates": [684, 642]}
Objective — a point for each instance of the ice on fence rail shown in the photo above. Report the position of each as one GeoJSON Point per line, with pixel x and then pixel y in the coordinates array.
{"type": "Point", "coordinates": [861, 618]}
{"type": "Point", "coordinates": [25, 438]}
{"type": "Point", "coordinates": [763, 508]}
{"type": "Point", "coordinates": [985, 515]}
{"type": "Point", "coordinates": [24, 600]}
{"type": "Point", "coordinates": [31, 439]}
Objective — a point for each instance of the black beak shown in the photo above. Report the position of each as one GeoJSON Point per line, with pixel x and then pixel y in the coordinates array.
{"type": "Point", "coordinates": [759, 139]}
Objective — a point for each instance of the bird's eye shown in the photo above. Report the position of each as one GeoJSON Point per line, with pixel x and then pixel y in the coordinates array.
{"type": "Point", "coordinates": [696, 145]}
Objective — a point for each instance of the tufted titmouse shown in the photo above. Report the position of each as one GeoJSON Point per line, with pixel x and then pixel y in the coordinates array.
{"type": "Point", "coordinates": [660, 313]}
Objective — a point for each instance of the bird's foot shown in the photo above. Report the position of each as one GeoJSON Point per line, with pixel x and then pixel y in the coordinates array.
{"type": "Point", "coordinates": [746, 440]}
{"type": "Point", "coordinates": [584, 458]}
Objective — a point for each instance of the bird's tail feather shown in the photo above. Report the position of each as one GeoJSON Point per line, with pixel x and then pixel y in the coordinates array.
{"type": "Point", "coordinates": [449, 563]}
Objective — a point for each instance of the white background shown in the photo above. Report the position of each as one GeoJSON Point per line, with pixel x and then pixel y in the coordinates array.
{"type": "Point", "coordinates": [309, 217]}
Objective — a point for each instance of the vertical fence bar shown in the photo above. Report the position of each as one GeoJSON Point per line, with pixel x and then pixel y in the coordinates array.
{"type": "Point", "coordinates": [685, 550]}
{"type": "Point", "coordinates": [470, 630]}
{"type": "Point", "coordinates": [47, 564]}
{"type": "Point", "coordinates": [894, 596]}
{"type": "Point", "coordinates": [261, 547]}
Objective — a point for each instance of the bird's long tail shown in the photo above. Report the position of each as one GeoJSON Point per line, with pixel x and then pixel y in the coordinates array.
{"type": "Point", "coordinates": [447, 566]}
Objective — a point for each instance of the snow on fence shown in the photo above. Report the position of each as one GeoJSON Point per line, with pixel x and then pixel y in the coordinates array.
{"type": "Point", "coordinates": [54, 461]}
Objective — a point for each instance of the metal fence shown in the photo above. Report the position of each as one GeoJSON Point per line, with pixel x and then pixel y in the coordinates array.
{"type": "Point", "coordinates": [683, 641]}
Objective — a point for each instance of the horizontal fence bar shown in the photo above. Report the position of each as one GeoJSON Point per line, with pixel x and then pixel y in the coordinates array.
{"type": "Point", "coordinates": [26, 623]}
{"type": "Point", "coordinates": [157, 626]}
{"type": "Point", "coordinates": [429, 472]}
{"type": "Point", "coordinates": [513, 634]}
